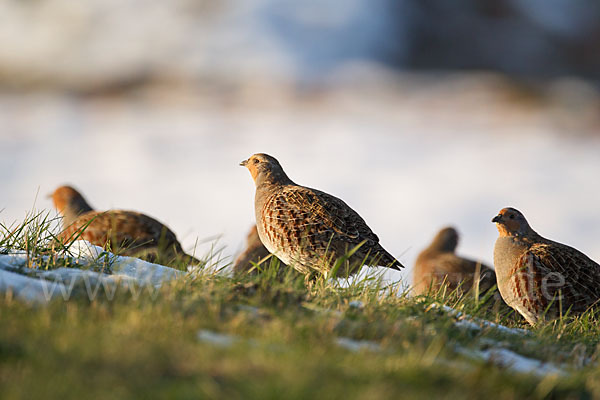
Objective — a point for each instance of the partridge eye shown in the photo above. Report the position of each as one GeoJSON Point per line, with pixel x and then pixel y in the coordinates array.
{"type": "Point", "coordinates": [255, 161]}
{"type": "Point", "coordinates": [512, 216]}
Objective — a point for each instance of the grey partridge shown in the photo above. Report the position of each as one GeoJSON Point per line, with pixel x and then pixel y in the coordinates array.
{"type": "Point", "coordinates": [540, 278]}
{"type": "Point", "coordinates": [438, 264]}
{"type": "Point", "coordinates": [128, 233]}
{"type": "Point", "coordinates": [254, 253]}
{"type": "Point", "coordinates": [308, 229]}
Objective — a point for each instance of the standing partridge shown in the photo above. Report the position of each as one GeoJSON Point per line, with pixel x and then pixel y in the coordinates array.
{"type": "Point", "coordinates": [438, 264]}
{"type": "Point", "coordinates": [254, 253]}
{"type": "Point", "coordinates": [127, 232]}
{"type": "Point", "coordinates": [538, 277]}
{"type": "Point", "coordinates": [310, 230]}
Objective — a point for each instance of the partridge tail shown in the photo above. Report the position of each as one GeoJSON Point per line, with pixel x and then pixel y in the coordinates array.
{"type": "Point", "coordinates": [385, 259]}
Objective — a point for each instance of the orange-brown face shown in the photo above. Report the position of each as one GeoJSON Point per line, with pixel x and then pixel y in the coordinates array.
{"type": "Point", "coordinates": [63, 196]}
{"type": "Point", "coordinates": [510, 222]}
{"type": "Point", "coordinates": [252, 165]}
{"type": "Point", "coordinates": [261, 163]}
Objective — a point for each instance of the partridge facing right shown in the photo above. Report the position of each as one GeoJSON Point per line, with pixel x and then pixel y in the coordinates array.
{"type": "Point", "coordinates": [536, 274]}
{"type": "Point", "coordinates": [438, 264]}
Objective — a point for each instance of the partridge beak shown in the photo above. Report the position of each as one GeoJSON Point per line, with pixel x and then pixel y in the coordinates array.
{"type": "Point", "coordinates": [497, 218]}
{"type": "Point", "coordinates": [244, 163]}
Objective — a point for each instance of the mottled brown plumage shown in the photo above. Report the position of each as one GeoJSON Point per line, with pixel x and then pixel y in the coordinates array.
{"type": "Point", "coordinates": [126, 232]}
{"type": "Point", "coordinates": [308, 229]}
{"type": "Point", "coordinates": [535, 273]}
{"type": "Point", "coordinates": [438, 264]}
{"type": "Point", "coordinates": [254, 253]}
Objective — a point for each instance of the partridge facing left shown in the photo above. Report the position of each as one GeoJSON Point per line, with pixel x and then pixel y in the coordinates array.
{"type": "Point", "coordinates": [128, 232]}
{"type": "Point", "coordinates": [310, 230]}
{"type": "Point", "coordinates": [536, 275]}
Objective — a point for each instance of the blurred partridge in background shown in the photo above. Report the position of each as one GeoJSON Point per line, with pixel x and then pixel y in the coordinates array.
{"type": "Point", "coordinates": [127, 233]}
{"type": "Point", "coordinates": [307, 229]}
{"type": "Point", "coordinates": [254, 253]}
{"type": "Point", "coordinates": [438, 264]}
{"type": "Point", "coordinates": [535, 273]}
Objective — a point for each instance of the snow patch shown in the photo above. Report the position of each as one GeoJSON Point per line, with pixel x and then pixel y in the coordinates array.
{"type": "Point", "coordinates": [25, 288]}
{"type": "Point", "coordinates": [515, 362]}
{"type": "Point", "coordinates": [357, 345]}
{"type": "Point", "coordinates": [218, 339]}
{"type": "Point", "coordinates": [356, 304]}
{"type": "Point", "coordinates": [469, 322]}
{"type": "Point", "coordinates": [42, 286]}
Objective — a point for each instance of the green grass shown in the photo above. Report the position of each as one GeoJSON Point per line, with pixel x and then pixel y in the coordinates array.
{"type": "Point", "coordinates": [284, 342]}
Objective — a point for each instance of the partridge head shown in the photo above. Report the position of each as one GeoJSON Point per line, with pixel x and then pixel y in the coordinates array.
{"type": "Point", "coordinates": [70, 203]}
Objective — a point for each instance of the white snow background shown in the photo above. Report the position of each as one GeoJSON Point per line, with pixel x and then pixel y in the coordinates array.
{"type": "Point", "coordinates": [410, 154]}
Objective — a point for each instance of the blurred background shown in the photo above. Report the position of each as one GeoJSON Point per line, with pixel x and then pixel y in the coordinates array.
{"type": "Point", "coordinates": [418, 113]}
